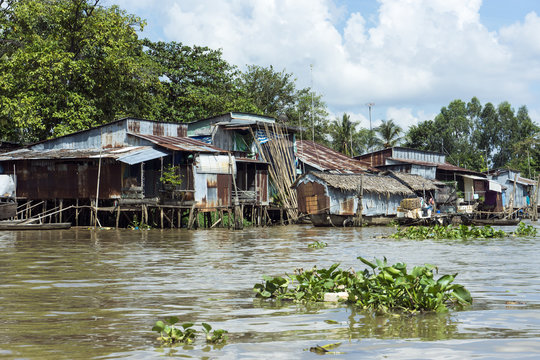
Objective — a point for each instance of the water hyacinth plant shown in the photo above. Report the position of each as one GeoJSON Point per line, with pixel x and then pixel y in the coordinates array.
{"type": "Point", "coordinates": [447, 232]}
{"type": "Point", "coordinates": [170, 334]}
{"type": "Point", "coordinates": [381, 287]}
{"type": "Point", "coordinates": [525, 230]}
{"type": "Point", "coordinates": [317, 245]}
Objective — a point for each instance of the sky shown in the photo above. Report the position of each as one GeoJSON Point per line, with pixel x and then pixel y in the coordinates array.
{"type": "Point", "coordinates": [407, 57]}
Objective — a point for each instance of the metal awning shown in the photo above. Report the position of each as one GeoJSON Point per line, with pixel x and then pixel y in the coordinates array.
{"type": "Point", "coordinates": [142, 155]}
{"type": "Point", "coordinates": [474, 177]}
{"type": "Point", "coordinates": [495, 186]}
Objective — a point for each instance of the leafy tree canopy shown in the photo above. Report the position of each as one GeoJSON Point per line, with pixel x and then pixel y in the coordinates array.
{"type": "Point", "coordinates": [68, 65]}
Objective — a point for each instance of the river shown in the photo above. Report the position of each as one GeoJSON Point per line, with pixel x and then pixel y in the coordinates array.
{"type": "Point", "coordinates": [95, 294]}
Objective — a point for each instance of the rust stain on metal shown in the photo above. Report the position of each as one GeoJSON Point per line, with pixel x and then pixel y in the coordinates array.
{"type": "Point", "coordinates": [181, 130]}
{"type": "Point", "coordinates": [134, 127]}
{"type": "Point", "coordinates": [181, 143]}
{"type": "Point", "coordinates": [326, 159]}
{"type": "Point", "coordinates": [48, 179]}
{"type": "Point", "coordinates": [157, 129]}
{"type": "Point", "coordinates": [347, 207]}
{"type": "Point", "coordinates": [224, 186]}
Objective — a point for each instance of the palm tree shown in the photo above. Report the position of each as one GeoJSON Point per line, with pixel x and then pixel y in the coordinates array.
{"type": "Point", "coordinates": [389, 133]}
{"type": "Point", "coordinates": [342, 133]}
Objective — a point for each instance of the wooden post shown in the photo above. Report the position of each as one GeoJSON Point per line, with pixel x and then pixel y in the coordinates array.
{"type": "Point", "coordinates": [161, 216]}
{"type": "Point", "coordinates": [44, 207]}
{"type": "Point", "coordinates": [191, 217]}
{"type": "Point", "coordinates": [359, 208]}
{"type": "Point", "coordinates": [179, 214]}
{"type": "Point", "coordinates": [61, 209]}
{"type": "Point", "coordinates": [77, 212]}
{"type": "Point", "coordinates": [118, 211]}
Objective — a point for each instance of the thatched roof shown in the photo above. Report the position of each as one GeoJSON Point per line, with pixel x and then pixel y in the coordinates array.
{"type": "Point", "coordinates": [415, 182]}
{"type": "Point", "coordinates": [370, 183]}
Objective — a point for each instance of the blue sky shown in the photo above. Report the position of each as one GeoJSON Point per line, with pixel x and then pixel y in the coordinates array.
{"type": "Point", "coordinates": [409, 57]}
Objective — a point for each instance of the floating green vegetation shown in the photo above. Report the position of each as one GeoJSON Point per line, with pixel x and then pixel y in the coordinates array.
{"type": "Point", "coordinates": [325, 349]}
{"type": "Point", "coordinates": [460, 232]}
{"type": "Point", "coordinates": [383, 288]}
{"type": "Point", "coordinates": [525, 230]}
{"type": "Point", "coordinates": [317, 245]}
{"type": "Point", "coordinates": [170, 334]}
{"type": "Point", "coordinates": [447, 232]}
{"type": "Point", "coordinates": [214, 337]}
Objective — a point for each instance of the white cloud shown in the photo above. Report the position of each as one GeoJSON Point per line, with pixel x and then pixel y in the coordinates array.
{"type": "Point", "coordinates": [417, 53]}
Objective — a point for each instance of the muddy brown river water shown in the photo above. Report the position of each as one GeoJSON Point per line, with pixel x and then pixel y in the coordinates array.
{"type": "Point", "coordinates": [95, 294]}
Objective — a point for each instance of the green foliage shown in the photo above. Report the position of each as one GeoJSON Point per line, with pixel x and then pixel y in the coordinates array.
{"type": "Point", "coordinates": [447, 232]}
{"type": "Point", "coordinates": [389, 134]}
{"type": "Point", "coordinates": [196, 82]}
{"type": "Point", "coordinates": [171, 176]}
{"type": "Point", "coordinates": [214, 337]}
{"type": "Point", "coordinates": [317, 245]}
{"type": "Point", "coordinates": [381, 287]}
{"type": "Point", "coordinates": [342, 134]}
{"type": "Point", "coordinates": [479, 137]}
{"type": "Point", "coordinates": [525, 230]}
{"type": "Point", "coordinates": [170, 334]}
{"type": "Point", "coordinates": [138, 225]}
{"type": "Point", "coordinates": [70, 65]}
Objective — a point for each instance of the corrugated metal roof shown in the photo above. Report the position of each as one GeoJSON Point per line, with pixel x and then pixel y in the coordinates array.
{"type": "Point", "coordinates": [140, 156]}
{"type": "Point", "coordinates": [180, 143]}
{"type": "Point", "coordinates": [445, 166]}
{"type": "Point", "coordinates": [62, 154]}
{"type": "Point", "coordinates": [326, 159]}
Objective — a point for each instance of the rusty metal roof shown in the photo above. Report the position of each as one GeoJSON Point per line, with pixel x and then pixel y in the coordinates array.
{"type": "Point", "coordinates": [325, 159]}
{"type": "Point", "coordinates": [180, 143]}
{"type": "Point", "coordinates": [63, 154]}
{"type": "Point", "coordinates": [445, 166]}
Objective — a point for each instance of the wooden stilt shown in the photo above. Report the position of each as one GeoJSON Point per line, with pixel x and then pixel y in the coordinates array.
{"type": "Point", "coordinates": [61, 209]}
{"type": "Point", "coordinates": [161, 216]}
{"type": "Point", "coordinates": [77, 212]}
{"type": "Point", "coordinates": [118, 211]}
{"type": "Point", "coordinates": [179, 214]}
{"type": "Point", "coordinates": [191, 217]}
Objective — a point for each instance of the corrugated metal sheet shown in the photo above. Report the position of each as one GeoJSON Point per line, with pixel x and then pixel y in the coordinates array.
{"type": "Point", "coordinates": [141, 156]}
{"type": "Point", "coordinates": [111, 135]}
{"type": "Point", "coordinates": [66, 154]}
{"type": "Point", "coordinates": [215, 164]}
{"type": "Point", "coordinates": [326, 159]}
{"type": "Point", "coordinates": [180, 143]}
{"type": "Point", "coordinates": [51, 179]}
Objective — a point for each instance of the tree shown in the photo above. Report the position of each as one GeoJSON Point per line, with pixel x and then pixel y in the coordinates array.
{"type": "Point", "coordinates": [389, 133]}
{"type": "Point", "coordinates": [310, 116]}
{"type": "Point", "coordinates": [69, 65]}
{"type": "Point", "coordinates": [342, 134]}
{"type": "Point", "coordinates": [478, 137]}
{"type": "Point", "coordinates": [196, 82]}
{"type": "Point", "coordinates": [273, 93]}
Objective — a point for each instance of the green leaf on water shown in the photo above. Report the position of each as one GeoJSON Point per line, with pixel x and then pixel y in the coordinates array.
{"type": "Point", "coordinates": [207, 327]}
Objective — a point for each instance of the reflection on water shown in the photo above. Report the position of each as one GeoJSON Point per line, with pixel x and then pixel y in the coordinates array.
{"type": "Point", "coordinates": [96, 294]}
